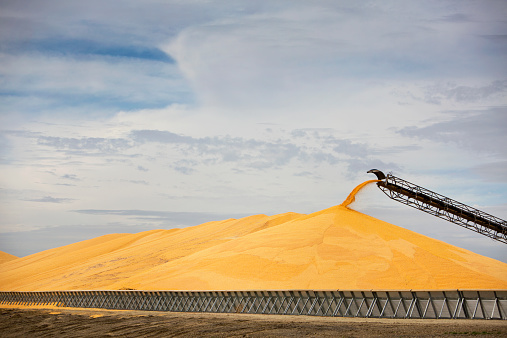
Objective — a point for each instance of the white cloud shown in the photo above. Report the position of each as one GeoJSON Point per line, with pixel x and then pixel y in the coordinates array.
{"type": "Point", "coordinates": [288, 57]}
{"type": "Point", "coordinates": [482, 131]}
{"type": "Point", "coordinates": [492, 172]}
{"type": "Point", "coordinates": [41, 84]}
{"type": "Point", "coordinates": [50, 199]}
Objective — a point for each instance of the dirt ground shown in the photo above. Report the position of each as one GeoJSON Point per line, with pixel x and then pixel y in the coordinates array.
{"type": "Point", "coordinates": [67, 322]}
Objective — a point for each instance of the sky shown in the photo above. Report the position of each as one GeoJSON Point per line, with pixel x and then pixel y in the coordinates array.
{"type": "Point", "coordinates": [126, 116]}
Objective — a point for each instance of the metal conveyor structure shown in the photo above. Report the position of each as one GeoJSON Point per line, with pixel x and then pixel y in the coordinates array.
{"type": "Point", "coordinates": [441, 206]}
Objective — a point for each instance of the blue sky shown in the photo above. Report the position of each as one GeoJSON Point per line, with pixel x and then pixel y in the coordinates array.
{"type": "Point", "coordinates": [128, 116]}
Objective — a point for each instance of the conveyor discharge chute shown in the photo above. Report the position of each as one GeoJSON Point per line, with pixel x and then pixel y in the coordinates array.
{"type": "Point", "coordinates": [441, 206]}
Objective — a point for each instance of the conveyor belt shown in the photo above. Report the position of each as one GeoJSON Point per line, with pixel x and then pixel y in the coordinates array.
{"type": "Point", "coordinates": [441, 206]}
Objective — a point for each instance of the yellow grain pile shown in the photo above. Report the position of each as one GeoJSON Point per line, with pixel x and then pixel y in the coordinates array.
{"type": "Point", "coordinates": [336, 248]}
{"type": "Point", "coordinates": [5, 257]}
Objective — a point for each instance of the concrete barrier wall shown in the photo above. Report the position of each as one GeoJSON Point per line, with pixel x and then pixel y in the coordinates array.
{"type": "Point", "coordinates": [450, 304]}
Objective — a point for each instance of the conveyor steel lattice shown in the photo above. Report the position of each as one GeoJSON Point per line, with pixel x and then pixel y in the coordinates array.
{"type": "Point", "coordinates": [441, 206]}
{"type": "Point", "coordinates": [450, 304]}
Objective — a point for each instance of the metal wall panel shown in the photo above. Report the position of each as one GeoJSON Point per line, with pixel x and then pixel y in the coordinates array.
{"type": "Point", "coordinates": [450, 304]}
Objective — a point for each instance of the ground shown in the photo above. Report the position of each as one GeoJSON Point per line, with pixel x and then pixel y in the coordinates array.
{"type": "Point", "coordinates": [67, 322]}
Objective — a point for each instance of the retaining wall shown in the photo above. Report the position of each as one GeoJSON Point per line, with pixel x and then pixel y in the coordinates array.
{"type": "Point", "coordinates": [450, 304]}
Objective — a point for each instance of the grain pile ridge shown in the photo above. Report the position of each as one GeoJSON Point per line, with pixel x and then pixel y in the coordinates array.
{"type": "Point", "coordinates": [335, 248]}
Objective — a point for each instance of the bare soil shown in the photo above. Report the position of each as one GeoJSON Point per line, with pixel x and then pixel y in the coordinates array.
{"type": "Point", "coordinates": [67, 322]}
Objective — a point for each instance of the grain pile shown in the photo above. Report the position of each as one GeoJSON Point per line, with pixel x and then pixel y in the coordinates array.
{"type": "Point", "coordinates": [336, 248]}
{"type": "Point", "coordinates": [5, 257]}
